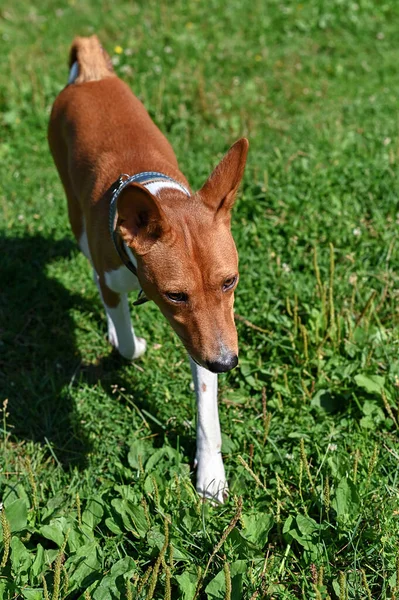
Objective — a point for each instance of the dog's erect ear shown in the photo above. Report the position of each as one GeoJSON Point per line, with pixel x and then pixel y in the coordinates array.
{"type": "Point", "coordinates": [219, 191]}
{"type": "Point", "coordinates": [141, 220]}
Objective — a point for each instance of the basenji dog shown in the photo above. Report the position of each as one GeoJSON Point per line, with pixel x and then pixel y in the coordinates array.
{"type": "Point", "coordinates": [141, 226]}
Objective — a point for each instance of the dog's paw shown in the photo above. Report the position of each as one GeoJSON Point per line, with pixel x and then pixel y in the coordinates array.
{"type": "Point", "coordinates": [130, 348]}
{"type": "Point", "coordinates": [211, 478]}
{"type": "Point", "coordinates": [133, 350]}
{"type": "Point", "coordinates": [140, 346]}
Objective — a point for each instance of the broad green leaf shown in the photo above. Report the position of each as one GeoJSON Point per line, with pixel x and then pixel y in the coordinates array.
{"type": "Point", "coordinates": [392, 580]}
{"type": "Point", "coordinates": [242, 547]}
{"type": "Point", "coordinates": [78, 536]}
{"type": "Point", "coordinates": [302, 529]}
{"type": "Point", "coordinates": [115, 581]}
{"type": "Point", "coordinates": [139, 451]}
{"type": "Point", "coordinates": [83, 565]}
{"type": "Point", "coordinates": [187, 583]}
{"type": "Point", "coordinates": [216, 588]}
{"type": "Point", "coordinates": [236, 396]}
{"type": "Point", "coordinates": [346, 501]}
{"type": "Point", "coordinates": [127, 492]}
{"type": "Point", "coordinates": [32, 594]}
{"type": "Point", "coordinates": [373, 414]}
{"type": "Point", "coordinates": [155, 539]}
{"type": "Point", "coordinates": [93, 513]}
{"type": "Point", "coordinates": [50, 555]}
{"type": "Point", "coordinates": [38, 566]}
{"type": "Point", "coordinates": [133, 517]}
{"type": "Point", "coordinates": [17, 515]}
{"type": "Point", "coordinates": [112, 526]}
{"type": "Point", "coordinates": [53, 532]}
{"type": "Point", "coordinates": [155, 457]}
{"type": "Point", "coordinates": [15, 492]}
{"type": "Point", "coordinates": [336, 587]}
{"type": "Point", "coordinates": [288, 524]}
{"type": "Point", "coordinates": [257, 527]}
{"type": "Point", "coordinates": [306, 525]}
{"type": "Point", "coordinates": [21, 560]}
{"type": "Point", "coordinates": [137, 514]}
{"type": "Point", "coordinates": [373, 384]}
{"type": "Point", "coordinates": [52, 505]}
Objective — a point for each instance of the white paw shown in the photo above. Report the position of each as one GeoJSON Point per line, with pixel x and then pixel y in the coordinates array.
{"type": "Point", "coordinates": [211, 478]}
{"type": "Point", "coordinates": [130, 348]}
{"type": "Point", "coordinates": [140, 346]}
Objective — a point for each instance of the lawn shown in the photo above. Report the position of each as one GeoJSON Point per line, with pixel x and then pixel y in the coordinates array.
{"type": "Point", "coordinates": [96, 461]}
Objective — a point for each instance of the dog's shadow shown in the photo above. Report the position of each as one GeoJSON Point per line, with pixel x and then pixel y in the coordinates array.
{"type": "Point", "coordinates": [37, 348]}
{"type": "Point", "coordinates": [39, 357]}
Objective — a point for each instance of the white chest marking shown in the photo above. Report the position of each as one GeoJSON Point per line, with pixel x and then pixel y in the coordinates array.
{"type": "Point", "coordinates": [122, 280]}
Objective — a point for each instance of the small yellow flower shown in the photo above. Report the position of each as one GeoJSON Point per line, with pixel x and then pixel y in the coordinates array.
{"type": "Point", "coordinates": [118, 49]}
{"type": "Point", "coordinates": [189, 25]}
{"type": "Point", "coordinates": [258, 57]}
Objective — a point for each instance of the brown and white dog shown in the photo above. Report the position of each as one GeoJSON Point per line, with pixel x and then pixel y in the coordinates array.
{"type": "Point", "coordinates": [138, 222]}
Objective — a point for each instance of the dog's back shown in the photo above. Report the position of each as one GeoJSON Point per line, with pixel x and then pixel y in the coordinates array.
{"type": "Point", "coordinates": [99, 127]}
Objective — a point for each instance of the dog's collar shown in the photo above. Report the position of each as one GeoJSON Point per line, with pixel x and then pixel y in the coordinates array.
{"type": "Point", "coordinates": [148, 179]}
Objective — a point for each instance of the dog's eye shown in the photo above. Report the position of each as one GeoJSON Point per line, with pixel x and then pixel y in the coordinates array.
{"type": "Point", "coordinates": [177, 297]}
{"type": "Point", "coordinates": [229, 283]}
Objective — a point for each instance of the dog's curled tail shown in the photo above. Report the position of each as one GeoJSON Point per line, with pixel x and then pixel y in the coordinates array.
{"type": "Point", "coordinates": [88, 61]}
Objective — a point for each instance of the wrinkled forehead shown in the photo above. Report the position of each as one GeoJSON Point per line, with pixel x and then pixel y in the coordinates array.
{"type": "Point", "coordinates": [195, 249]}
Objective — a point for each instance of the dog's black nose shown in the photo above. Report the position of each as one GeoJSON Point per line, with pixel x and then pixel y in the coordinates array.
{"type": "Point", "coordinates": [225, 363]}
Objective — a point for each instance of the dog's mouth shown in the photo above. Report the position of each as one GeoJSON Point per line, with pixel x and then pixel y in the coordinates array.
{"type": "Point", "coordinates": [196, 361]}
{"type": "Point", "coordinates": [224, 364]}
{"type": "Point", "coordinates": [218, 366]}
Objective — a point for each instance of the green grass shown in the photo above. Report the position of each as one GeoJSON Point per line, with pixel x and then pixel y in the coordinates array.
{"type": "Point", "coordinates": [96, 453]}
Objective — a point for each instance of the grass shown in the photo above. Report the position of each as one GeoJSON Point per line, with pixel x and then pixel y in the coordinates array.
{"type": "Point", "coordinates": [96, 454]}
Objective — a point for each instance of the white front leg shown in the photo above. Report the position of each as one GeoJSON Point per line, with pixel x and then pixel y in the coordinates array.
{"type": "Point", "coordinates": [211, 479]}
{"type": "Point", "coordinates": [120, 331]}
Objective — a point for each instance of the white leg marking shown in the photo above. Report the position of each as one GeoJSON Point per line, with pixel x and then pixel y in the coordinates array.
{"type": "Point", "coordinates": [120, 331]}
{"type": "Point", "coordinates": [123, 280]}
{"type": "Point", "coordinates": [211, 479]}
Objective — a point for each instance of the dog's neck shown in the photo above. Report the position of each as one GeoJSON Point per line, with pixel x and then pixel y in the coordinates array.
{"type": "Point", "coordinates": [155, 182]}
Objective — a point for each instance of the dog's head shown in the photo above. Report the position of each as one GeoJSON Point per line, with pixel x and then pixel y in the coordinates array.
{"type": "Point", "coordinates": [187, 260]}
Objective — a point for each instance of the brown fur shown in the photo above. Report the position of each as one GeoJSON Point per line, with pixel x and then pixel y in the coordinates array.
{"type": "Point", "coordinates": [94, 63]}
{"type": "Point", "coordinates": [98, 130]}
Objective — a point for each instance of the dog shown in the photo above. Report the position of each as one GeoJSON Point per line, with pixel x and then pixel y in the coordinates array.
{"type": "Point", "coordinates": [141, 226]}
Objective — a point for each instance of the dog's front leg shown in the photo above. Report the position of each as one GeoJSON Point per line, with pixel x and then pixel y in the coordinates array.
{"type": "Point", "coordinates": [211, 479]}
{"type": "Point", "coordinates": [120, 331]}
